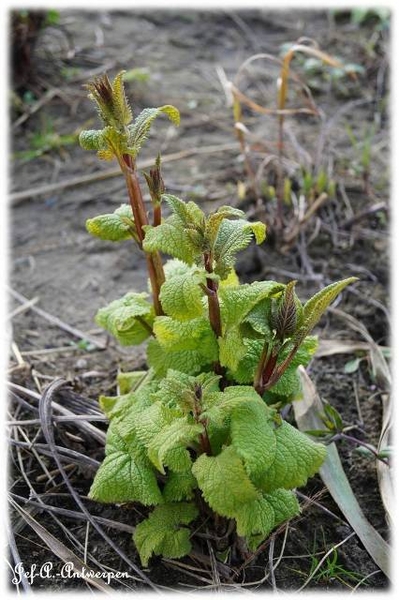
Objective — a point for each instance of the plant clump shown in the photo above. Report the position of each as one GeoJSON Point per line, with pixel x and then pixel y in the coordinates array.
{"type": "Point", "coordinates": [199, 437]}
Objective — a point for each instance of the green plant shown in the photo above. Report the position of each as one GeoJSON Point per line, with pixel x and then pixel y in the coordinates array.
{"type": "Point", "coordinates": [335, 431]}
{"type": "Point", "coordinates": [46, 140]}
{"type": "Point", "coordinates": [363, 148]}
{"type": "Point", "coordinates": [329, 569]}
{"type": "Point", "coordinates": [199, 435]}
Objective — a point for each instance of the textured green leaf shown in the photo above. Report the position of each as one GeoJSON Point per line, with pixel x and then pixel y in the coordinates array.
{"type": "Point", "coordinates": [124, 318]}
{"type": "Point", "coordinates": [92, 139]}
{"type": "Point", "coordinates": [182, 297]}
{"type": "Point", "coordinates": [218, 405]}
{"type": "Point", "coordinates": [231, 348]}
{"type": "Point", "coordinates": [180, 433]}
{"type": "Point", "coordinates": [187, 361]}
{"type": "Point", "coordinates": [195, 334]}
{"type": "Point", "coordinates": [179, 486]}
{"type": "Point", "coordinates": [114, 405]}
{"type": "Point", "coordinates": [149, 423]}
{"type": "Point", "coordinates": [316, 306]}
{"type": "Point", "coordinates": [162, 533]}
{"type": "Point", "coordinates": [234, 236]}
{"type": "Point", "coordinates": [139, 130]}
{"type": "Point", "coordinates": [297, 458]}
{"type": "Point", "coordinates": [285, 505]}
{"type": "Point", "coordinates": [114, 227]}
{"type": "Point", "coordinates": [170, 237]}
{"type": "Point", "coordinates": [253, 436]}
{"type": "Point", "coordinates": [224, 482]}
{"type": "Point", "coordinates": [124, 475]}
{"type": "Point", "coordinates": [258, 318]}
{"type": "Point", "coordinates": [238, 302]}
{"type": "Point", "coordinates": [289, 383]}
{"type": "Point", "coordinates": [129, 380]}
{"type": "Point", "coordinates": [214, 220]}
{"type": "Point", "coordinates": [245, 371]}
{"type": "Point", "coordinates": [189, 213]}
{"type": "Point", "coordinates": [257, 519]}
{"type": "Point", "coordinates": [178, 459]}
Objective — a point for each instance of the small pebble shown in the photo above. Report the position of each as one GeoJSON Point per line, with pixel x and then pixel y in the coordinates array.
{"type": "Point", "coordinates": [81, 364]}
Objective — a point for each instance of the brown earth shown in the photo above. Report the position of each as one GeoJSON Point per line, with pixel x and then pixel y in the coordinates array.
{"type": "Point", "coordinates": [53, 258]}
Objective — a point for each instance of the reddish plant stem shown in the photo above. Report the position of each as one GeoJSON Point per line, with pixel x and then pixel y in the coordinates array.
{"type": "Point", "coordinates": [213, 299]}
{"type": "Point", "coordinates": [205, 443]}
{"type": "Point", "coordinates": [265, 373]}
{"type": "Point", "coordinates": [157, 215]}
{"type": "Point", "coordinates": [213, 307]}
{"type": "Point", "coordinates": [154, 262]}
{"type": "Point", "coordinates": [281, 369]}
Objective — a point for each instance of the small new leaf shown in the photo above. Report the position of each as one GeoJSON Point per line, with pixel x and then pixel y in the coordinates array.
{"type": "Point", "coordinates": [164, 532]}
{"type": "Point", "coordinates": [114, 227]}
{"type": "Point", "coordinates": [316, 306]}
{"type": "Point", "coordinates": [178, 434]}
{"type": "Point", "coordinates": [92, 139]}
{"type": "Point", "coordinates": [285, 317]}
{"type": "Point", "coordinates": [129, 319]}
{"type": "Point", "coordinates": [233, 236]}
{"type": "Point", "coordinates": [139, 130]}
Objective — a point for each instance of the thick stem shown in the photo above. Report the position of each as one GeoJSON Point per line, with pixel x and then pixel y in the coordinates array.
{"type": "Point", "coordinates": [213, 299]}
{"type": "Point", "coordinates": [157, 215]}
{"type": "Point", "coordinates": [213, 307]}
{"type": "Point", "coordinates": [154, 262]}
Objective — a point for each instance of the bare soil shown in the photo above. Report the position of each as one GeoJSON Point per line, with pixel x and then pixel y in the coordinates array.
{"type": "Point", "coordinates": [53, 259]}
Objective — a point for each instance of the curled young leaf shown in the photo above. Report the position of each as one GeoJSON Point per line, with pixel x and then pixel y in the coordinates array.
{"type": "Point", "coordinates": [114, 227]}
{"type": "Point", "coordinates": [91, 139]}
{"type": "Point", "coordinates": [284, 316]}
{"type": "Point", "coordinates": [138, 131]}
{"type": "Point", "coordinates": [129, 319]}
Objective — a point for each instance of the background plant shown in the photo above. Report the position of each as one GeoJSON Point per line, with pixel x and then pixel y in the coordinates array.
{"type": "Point", "coordinates": [199, 435]}
{"type": "Point", "coordinates": [292, 208]}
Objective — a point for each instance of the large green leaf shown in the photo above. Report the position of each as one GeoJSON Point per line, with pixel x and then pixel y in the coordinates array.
{"type": "Point", "coordinates": [195, 334]}
{"type": "Point", "coordinates": [233, 236]}
{"type": "Point", "coordinates": [179, 486]}
{"type": "Point", "coordinates": [253, 436]}
{"type": "Point", "coordinates": [217, 406]}
{"type": "Point", "coordinates": [297, 458]}
{"type": "Point", "coordinates": [162, 358]}
{"type": "Point", "coordinates": [182, 297]}
{"type": "Point", "coordinates": [164, 532]}
{"type": "Point", "coordinates": [231, 348]}
{"type": "Point", "coordinates": [125, 475]}
{"type": "Point", "coordinates": [178, 434]}
{"type": "Point", "coordinates": [257, 519]}
{"type": "Point", "coordinates": [224, 482]}
{"type": "Point", "coordinates": [237, 302]}
{"type": "Point", "coordinates": [172, 238]}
